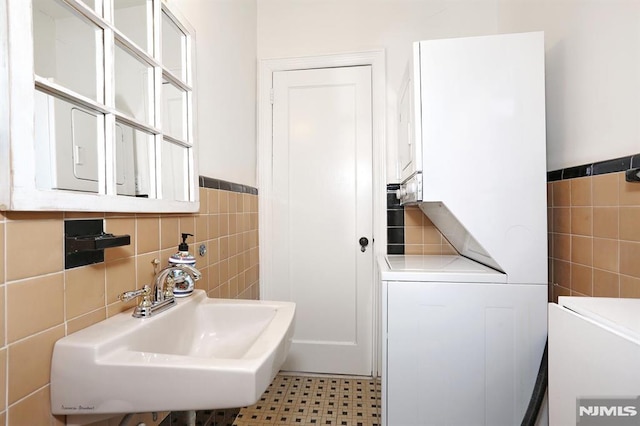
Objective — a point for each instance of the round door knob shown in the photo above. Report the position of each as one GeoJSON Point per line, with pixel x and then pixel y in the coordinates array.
{"type": "Point", "coordinates": [364, 242]}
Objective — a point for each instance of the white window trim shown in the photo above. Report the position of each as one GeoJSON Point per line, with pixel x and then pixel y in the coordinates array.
{"type": "Point", "coordinates": [17, 166]}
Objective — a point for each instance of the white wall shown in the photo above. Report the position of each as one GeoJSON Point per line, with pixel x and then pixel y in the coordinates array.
{"type": "Point", "coordinates": [593, 64]}
{"type": "Point", "coordinates": [592, 56]}
{"type": "Point", "coordinates": [592, 71]}
{"type": "Point", "coordinates": [226, 86]}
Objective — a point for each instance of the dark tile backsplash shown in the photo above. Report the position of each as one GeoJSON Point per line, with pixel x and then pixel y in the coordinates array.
{"type": "Point", "coordinates": [613, 166]}
{"type": "Point", "coordinates": [395, 235]}
{"type": "Point", "coordinates": [594, 169]}
{"type": "Point", "coordinates": [395, 222]}
{"type": "Point", "coordinates": [395, 249]}
{"type": "Point", "coordinates": [211, 183]}
{"type": "Point", "coordinates": [395, 217]}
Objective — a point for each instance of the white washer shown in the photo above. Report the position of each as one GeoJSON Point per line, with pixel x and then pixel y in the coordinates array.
{"type": "Point", "coordinates": [594, 348]}
{"type": "Point", "coordinates": [461, 346]}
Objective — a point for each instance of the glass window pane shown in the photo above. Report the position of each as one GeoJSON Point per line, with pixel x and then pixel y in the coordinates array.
{"type": "Point", "coordinates": [175, 172]}
{"type": "Point", "coordinates": [67, 49]}
{"type": "Point", "coordinates": [133, 86]}
{"type": "Point", "coordinates": [174, 111]}
{"type": "Point", "coordinates": [134, 19]}
{"type": "Point", "coordinates": [66, 144]}
{"type": "Point", "coordinates": [93, 5]}
{"type": "Point", "coordinates": [135, 161]}
{"type": "Point", "coordinates": [173, 48]}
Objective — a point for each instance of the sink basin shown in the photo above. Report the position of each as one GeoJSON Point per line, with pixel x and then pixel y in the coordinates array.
{"type": "Point", "coordinates": [201, 354]}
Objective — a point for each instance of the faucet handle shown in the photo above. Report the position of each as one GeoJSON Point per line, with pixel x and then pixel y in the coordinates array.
{"type": "Point", "coordinates": [128, 295]}
{"type": "Point", "coordinates": [169, 285]}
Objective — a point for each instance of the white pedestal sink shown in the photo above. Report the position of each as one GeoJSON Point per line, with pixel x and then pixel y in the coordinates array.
{"type": "Point", "coordinates": [201, 354]}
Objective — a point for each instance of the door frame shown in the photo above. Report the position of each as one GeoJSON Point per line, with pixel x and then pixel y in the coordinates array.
{"type": "Point", "coordinates": [266, 68]}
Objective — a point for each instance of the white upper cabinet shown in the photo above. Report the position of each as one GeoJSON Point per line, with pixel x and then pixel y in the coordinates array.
{"type": "Point", "coordinates": [96, 107]}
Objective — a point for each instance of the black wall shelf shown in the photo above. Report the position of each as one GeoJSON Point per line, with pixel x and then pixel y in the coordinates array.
{"type": "Point", "coordinates": [85, 242]}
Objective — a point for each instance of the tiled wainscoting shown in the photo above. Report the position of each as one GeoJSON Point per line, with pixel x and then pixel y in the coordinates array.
{"type": "Point", "coordinates": [41, 302]}
{"type": "Point", "coordinates": [594, 231]}
{"type": "Point", "coordinates": [409, 231]}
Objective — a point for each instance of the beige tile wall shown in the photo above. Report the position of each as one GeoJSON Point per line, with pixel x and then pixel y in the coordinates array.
{"type": "Point", "coordinates": [594, 236]}
{"type": "Point", "coordinates": [40, 302]}
{"type": "Point", "coordinates": [421, 236]}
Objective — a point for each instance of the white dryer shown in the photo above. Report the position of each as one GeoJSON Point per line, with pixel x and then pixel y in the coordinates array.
{"type": "Point", "coordinates": [461, 346]}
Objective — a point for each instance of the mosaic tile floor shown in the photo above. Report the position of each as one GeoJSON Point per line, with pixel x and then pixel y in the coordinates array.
{"type": "Point", "coordinates": [300, 400]}
{"type": "Point", "coordinates": [323, 400]}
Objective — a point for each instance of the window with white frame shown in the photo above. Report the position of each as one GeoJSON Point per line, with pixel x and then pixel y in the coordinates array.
{"type": "Point", "coordinates": [113, 105]}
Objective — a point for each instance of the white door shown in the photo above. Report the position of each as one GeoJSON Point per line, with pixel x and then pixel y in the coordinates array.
{"type": "Point", "coordinates": [322, 207]}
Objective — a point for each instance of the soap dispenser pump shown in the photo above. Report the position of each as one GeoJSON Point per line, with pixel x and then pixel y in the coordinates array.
{"type": "Point", "coordinates": [184, 284]}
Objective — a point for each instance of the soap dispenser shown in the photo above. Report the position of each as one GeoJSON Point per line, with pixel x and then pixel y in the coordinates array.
{"type": "Point", "coordinates": [184, 284]}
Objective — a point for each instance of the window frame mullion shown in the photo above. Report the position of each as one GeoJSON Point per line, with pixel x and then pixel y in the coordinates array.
{"type": "Point", "coordinates": [109, 163]}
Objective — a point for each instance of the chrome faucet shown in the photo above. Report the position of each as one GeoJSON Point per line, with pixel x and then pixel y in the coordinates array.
{"type": "Point", "coordinates": [172, 275]}
{"type": "Point", "coordinates": [161, 297]}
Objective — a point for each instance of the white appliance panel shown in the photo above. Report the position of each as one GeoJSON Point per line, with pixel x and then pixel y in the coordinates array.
{"type": "Point", "coordinates": [481, 108]}
{"type": "Point", "coordinates": [457, 234]}
{"type": "Point", "coordinates": [621, 315]}
{"type": "Point", "coordinates": [460, 353]}
{"type": "Point", "coordinates": [409, 128]}
{"type": "Point", "coordinates": [67, 144]}
{"type": "Point", "coordinates": [451, 268]}
{"type": "Point", "coordinates": [594, 347]}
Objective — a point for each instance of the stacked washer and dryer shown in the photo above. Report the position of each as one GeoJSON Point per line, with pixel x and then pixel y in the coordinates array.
{"type": "Point", "coordinates": [463, 335]}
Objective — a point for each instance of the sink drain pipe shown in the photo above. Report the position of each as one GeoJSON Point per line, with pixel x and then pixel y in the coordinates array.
{"type": "Point", "coordinates": [185, 418]}
{"type": "Point", "coordinates": [190, 418]}
{"type": "Point", "coordinates": [125, 419]}
{"type": "Point", "coordinates": [539, 389]}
